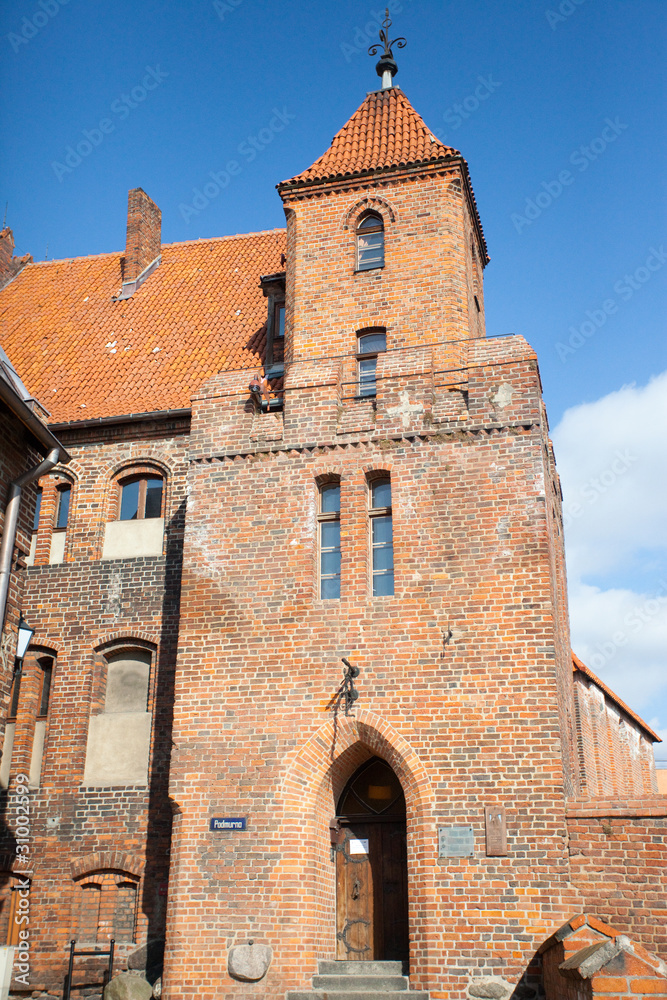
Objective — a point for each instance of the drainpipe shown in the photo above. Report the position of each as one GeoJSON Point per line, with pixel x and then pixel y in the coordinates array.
{"type": "Point", "coordinates": [11, 520]}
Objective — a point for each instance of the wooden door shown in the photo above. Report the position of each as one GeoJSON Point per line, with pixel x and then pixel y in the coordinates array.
{"type": "Point", "coordinates": [371, 867]}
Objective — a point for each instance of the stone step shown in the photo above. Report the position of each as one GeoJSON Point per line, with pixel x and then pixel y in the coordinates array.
{"type": "Point", "coordinates": [377, 982]}
{"type": "Point", "coordinates": [326, 967]}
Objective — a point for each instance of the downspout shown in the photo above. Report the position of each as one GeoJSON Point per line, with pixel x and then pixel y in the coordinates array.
{"type": "Point", "coordinates": [11, 521]}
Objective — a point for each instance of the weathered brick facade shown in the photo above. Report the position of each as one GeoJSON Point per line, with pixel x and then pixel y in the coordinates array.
{"type": "Point", "coordinates": [466, 688]}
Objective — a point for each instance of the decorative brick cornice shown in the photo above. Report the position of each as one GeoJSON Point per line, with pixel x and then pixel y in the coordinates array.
{"type": "Point", "coordinates": [474, 431]}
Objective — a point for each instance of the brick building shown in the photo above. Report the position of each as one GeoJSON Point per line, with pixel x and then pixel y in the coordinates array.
{"type": "Point", "coordinates": [292, 452]}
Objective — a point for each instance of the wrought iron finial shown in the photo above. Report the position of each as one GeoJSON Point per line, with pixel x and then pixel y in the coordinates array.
{"type": "Point", "coordinates": [386, 66]}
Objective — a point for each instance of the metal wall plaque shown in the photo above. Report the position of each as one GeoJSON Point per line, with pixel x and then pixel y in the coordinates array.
{"type": "Point", "coordinates": [228, 823]}
{"type": "Point", "coordinates": [496, 831]}
{"type": "Point", "coordinates": [455, 842]}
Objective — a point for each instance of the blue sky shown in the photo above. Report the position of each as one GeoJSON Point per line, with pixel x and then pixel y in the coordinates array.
{"type": "Point", "coordinates": [558, 106]}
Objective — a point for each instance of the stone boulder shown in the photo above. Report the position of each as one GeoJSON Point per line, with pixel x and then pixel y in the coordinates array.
{"type": "Point", "coordinates": [148, 959]}
{"type": "Point", "coordinates": [128, 987]}
{"type": "Point", "coordinates": [249, 962]}
{"type": "Point", "coordinates": [490, 988]}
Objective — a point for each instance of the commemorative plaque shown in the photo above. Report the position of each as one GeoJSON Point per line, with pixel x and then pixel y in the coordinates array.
{"type": "Point", "coordinates": [496, 831]}
{"type": "Point", "coordinates": [455, 842]}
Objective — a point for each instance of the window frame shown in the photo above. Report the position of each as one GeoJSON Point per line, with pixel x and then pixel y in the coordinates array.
{"type": "Point", "coordinates": [374, 516]}
{"type": "Point", "coordinates": [328, 517]}
{"type": "Point", "coordinates": [363, 229]}
{"type": "Point", "coordinates": [62, 489]}
{"type": "Point", "coordinates": [142, 478]}
{"type": "Point", "coordinates": [45, 689]}
{"type": "Point", "coordinates": [365, 356]}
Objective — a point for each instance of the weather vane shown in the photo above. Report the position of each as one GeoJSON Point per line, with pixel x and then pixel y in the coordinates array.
{"type": "Point", "coordinates": [386, 66]}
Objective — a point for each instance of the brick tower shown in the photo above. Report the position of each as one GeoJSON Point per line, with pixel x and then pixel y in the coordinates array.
{"type": "Point", "coordinates": [391, 500]}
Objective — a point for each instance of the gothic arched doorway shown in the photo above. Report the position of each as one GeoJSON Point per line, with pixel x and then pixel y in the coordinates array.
{"type": "Point", "coordinates": [371, 867]}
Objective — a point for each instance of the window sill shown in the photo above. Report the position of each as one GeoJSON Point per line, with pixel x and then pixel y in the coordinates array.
{"type": "Point", "coordinates": [366, 270]}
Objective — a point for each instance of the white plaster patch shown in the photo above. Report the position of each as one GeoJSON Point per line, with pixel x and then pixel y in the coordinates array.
{"type": "Point", "coordinates": [503, 396]}
{"type": "Point", "coordinates": [405, 409]}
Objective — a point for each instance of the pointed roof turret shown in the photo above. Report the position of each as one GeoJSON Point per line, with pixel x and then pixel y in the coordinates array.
{"type": "Point", "coordinates": [385, 132]}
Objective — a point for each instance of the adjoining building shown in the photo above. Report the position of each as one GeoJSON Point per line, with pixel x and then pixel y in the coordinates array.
{"type": "Point", "coordinates": [312, 696]}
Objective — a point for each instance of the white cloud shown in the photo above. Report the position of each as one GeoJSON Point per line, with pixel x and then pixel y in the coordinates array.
{"type": "Point", "coordinates": [612, 459]}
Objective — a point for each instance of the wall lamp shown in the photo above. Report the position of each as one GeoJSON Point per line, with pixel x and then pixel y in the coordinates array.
{"type": "Point", "coordinates": [349, 692]}
{"type": "Point", "coordinates": [25, 634]}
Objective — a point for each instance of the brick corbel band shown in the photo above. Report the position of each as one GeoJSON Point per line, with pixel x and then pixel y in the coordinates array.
{"type": "Point", "coordinates": [108, 860]}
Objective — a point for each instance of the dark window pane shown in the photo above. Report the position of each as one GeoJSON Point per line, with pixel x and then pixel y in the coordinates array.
{"type": "Point", "coordinates": [330, 534]}
{"type": "Point", "coordinates": [371, 251]}
{"type": "Point", "coordinates": [370, 222]}
{"type": "Point", "coordinates": [330, 588]}
{"type": "Point", "coordinates": [372, 343]}
{"type": "Point", "coordinates": [38, 507]}
{"type": "Point", "coordinates": [383, 585]}
{"type": "Point", "coordinates": [383, 559]}
{"type": "Point", "coordinates": [47, 672]}
{"type": "Point", "coordinates": [153, 498]}
{"type": "Point", "coordinates": [367, 382]}
{"type": "Point", "coordinates": [381, 493]}
{"type": "Point", "coordinates": [129, 501]}
{"type": "Point", "coordinates": [330, 499]}
{"type": "Point", "coordinates": [331, 563]}
{"type": "Point", "coordinates": [280, 321]}
{"type": "Point", "coordinates": [64, 495]}
{"type": "Point", "coordinates": [16, 691]}
{"type": "Point", "coordinates": [382, 533]}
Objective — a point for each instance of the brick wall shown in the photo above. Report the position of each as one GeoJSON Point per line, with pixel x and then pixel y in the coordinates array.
{"type": "Point", "coordinates": [18, 454]}
{"type": "Point", "coordinates": [465, 724]}
{"type": "Point", "coordinates": [617, 864]}
{"type": "Point", "coordinates": [80, 608]}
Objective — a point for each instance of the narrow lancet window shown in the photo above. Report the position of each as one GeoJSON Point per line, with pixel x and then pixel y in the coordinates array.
{"type": "Point", "coordinates": [382, 541]}
{"type": "Point", "coordinates": [329, 541]}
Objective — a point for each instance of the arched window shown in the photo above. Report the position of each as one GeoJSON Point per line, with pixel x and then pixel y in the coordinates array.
{"type": "Point", "coordinates": [119, 728]}
{"type": "Point", "coordinates": [381, 537]}
{"type": "Point", "coordinates": [136, 510]}
{"type": "Point", "coordinates": [37, 668]}
{"type": "Point", "coordinates": [107, 907]}
{"type": "Point", "coordinates": [328, 518]}
{"type": "Point", "coordinates": [370, 343]}
{"type": "Point", "coordinates": [51, 520]}
{"type": "Point", "coordinates": [140, 497]}
{"type": "Point", "coordinates": [370, 242]}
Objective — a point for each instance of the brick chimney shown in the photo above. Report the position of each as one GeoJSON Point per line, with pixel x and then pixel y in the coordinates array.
{"type": "Point", "coordinates": [144, 223]}
{"type": "Point", "coordinates": [10, 266]}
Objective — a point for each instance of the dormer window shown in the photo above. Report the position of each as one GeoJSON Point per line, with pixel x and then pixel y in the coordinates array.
{"type": "Point", "coordinates": [273, 286]}
{"type": "Point", "coordinates": [279, 321]}
{"type": "Point", "coordinates": [370, 242]}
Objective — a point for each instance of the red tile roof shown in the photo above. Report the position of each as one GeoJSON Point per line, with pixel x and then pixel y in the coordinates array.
{"type": "Point", "coordinates": [84, 355]}
{"type": "Point", "coordinates": [385, 131]}
{"type": "Point", "coordinates": [578, 665]}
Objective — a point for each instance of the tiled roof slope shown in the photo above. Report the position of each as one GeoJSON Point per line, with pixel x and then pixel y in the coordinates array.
{"type": "Point", "coordinates": [385, 131]}
{"type": "Point", "coordinates": [577, 664]}
{"type": "Point", "coordinates": [85, 355]}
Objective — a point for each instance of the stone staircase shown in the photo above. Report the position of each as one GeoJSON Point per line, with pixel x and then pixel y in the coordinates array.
{"type": "Point", "coordinates": [359, 981]}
